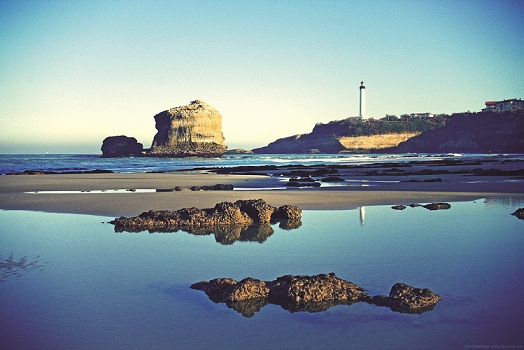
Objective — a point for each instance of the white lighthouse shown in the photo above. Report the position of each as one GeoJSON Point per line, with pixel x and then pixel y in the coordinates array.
{"type": "Point", "coordinates": [362, 111]}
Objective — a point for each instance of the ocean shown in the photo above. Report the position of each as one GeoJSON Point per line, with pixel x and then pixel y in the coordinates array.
{"type": "Point", "coordinates": [69, 281]}
{"type": "Point", "coordinates": [13, 163]}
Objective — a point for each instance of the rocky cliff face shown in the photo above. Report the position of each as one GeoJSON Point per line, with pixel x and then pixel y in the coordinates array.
{"type": "Point", "coordinates": [501, 132]}
{"type": "Point", "coordinates": [186, 131]}
{"type": "Point", "coordinates": [321, 140]}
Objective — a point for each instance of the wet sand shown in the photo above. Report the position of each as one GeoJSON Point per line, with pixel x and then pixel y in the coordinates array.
{"type": "Point", "coordinates": [109, 195]}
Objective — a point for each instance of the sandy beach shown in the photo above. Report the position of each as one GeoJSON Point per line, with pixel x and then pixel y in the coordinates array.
{"type": "Point", "coordinates": [130, 194]}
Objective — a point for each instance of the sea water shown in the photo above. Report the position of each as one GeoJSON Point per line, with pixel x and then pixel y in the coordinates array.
{"type": "Point", "coordinates": [70, 282]}
{"type": "Point", "coordinates": [12, 163]}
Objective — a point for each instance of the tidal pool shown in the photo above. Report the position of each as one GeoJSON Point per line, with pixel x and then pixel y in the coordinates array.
{"type": "Point", "coordinates": [70, 282]}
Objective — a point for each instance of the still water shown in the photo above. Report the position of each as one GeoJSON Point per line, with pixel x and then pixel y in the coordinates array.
{"type": "Point", "coordinates": [70, 282]}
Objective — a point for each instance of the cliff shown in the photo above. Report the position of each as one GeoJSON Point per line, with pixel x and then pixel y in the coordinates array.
{"type": "Point", "coordinates": [186, 131]}
{"type": "Point", "coordinates": [501, 132]}
{"type": "Point", "coordinates": [350, 135]}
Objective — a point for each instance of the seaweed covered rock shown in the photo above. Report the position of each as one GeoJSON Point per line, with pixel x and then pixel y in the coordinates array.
{"type": "Point", "coordinates": [299, 290]}
{"type": "Point", "coordinates": [407, 299]}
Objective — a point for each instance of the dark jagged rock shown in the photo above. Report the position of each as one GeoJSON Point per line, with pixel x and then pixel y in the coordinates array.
{"type": "Point", "coordinates": [244, 220]}
{"type": "Point", "coordinates": [311, 294]}
{"type": "Point", "coordinates": [302, 182]}
{"type": "Point", "coordinates": [217, 187]}
{"type": "Point", "coordinates": [332, 179]}
{"type": "Point", "coordinates": [407, 299]}
{"type": "Point", "coordinates": [287, 212]}
{"type": "Point", "coordinates": [398, 207]}
{"type": "Point", "coordinates": [437, 206]}
{"type": "Point", "coordinates": [519, 213]}
{"type": "Point", "coordinates": [121, 146]}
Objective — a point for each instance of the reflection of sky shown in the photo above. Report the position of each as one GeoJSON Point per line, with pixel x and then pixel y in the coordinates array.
{"type": "Point", "coordinates": [132, 290]}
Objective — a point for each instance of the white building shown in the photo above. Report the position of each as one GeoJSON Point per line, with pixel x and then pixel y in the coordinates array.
{"type": "Point", "coordinates": [505, 105]}
{"type": "Point", "coordinates": [422, 115]}
{"type": "Point", "coordinates": [362, 110]}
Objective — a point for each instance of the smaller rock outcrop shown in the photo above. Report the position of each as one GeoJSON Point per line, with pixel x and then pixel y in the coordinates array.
{"type": "Point", "coordinates": [437, 206]}
{"type": "Point", "coordinates": [407, 299]}
{"type": "Point", "coordinates": [311, 294]}
{"type": "Point", "coordinates": [519, 213]}
{"type": "Point", "coordinates": [121, 146]}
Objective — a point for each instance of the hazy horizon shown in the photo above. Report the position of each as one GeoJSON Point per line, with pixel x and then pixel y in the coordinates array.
{"type": "Point", "coordinates": [76, 72]}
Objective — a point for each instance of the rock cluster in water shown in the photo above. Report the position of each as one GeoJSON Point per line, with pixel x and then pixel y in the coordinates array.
{"type": "Point", "coordinates": [310, 293]}
{"type": "Point", "coordinates": [227, 220]}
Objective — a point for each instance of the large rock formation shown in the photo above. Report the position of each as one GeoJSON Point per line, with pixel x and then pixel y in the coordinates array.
{"type": "Point", "coordinates": [121, 146]}
{"type": "Point", "coordinates": [187, 131]}
{"type": "Point", "coordinates": [311, 294]}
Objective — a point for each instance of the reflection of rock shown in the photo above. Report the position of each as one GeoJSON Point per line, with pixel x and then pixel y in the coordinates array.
{"type": "Point", "coordinates": [437, 206]}
{"type": "Point", "coordinates": [311, 294]}
{"type": "Point", "coordinates": [431, 206]}
{"type": "Point", "coordinates": [248, 307]}
{"type": "Point", "coordinates": [245, 220]}
{"type": "Point", "coordinates": [407, 299]}
{"type": "Point", "coordinates": [519, 213]}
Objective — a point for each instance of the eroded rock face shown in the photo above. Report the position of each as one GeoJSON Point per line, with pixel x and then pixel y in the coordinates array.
{"type": "Point", "coordinates": [187, 131]}
{"type": "Point", "coordinates": [243, 220]}
{"type": "Point", "coordinates": [301, 290]}
{"type": "Point", "coordinates": [407, 299]}
{"type": "Point", "coordinates": [311, 293]}
{"type": "Point", "coordinates": [121, 146]}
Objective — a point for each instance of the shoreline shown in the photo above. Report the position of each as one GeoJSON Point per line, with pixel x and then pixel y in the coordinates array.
{"type": "Point", "coordinates": [22, 192]}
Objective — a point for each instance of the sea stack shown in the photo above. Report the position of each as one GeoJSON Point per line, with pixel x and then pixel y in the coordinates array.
{"type": "Point", "coordinates": [121, 146]}
{"type": "Point", "coordinates": [194, 130]}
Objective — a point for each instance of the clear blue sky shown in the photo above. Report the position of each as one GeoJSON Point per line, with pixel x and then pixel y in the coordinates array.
{"type": "Point", "coordinates": [73, 72]}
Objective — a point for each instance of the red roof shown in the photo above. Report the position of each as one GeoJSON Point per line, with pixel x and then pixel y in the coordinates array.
{"type": "Point", "coordinates": [491, 103]}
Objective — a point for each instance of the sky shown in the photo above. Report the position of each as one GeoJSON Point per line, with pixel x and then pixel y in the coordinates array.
{"type": "Point", "coordinates": [73, 72]}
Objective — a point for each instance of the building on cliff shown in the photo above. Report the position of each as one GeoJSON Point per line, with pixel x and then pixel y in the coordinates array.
{"type": "Point", "coordinates": [422, 115]}
{"type": "Point", "coordinates": [504, 105]}
{"type": "Point", "coordinates": [362, 104]}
